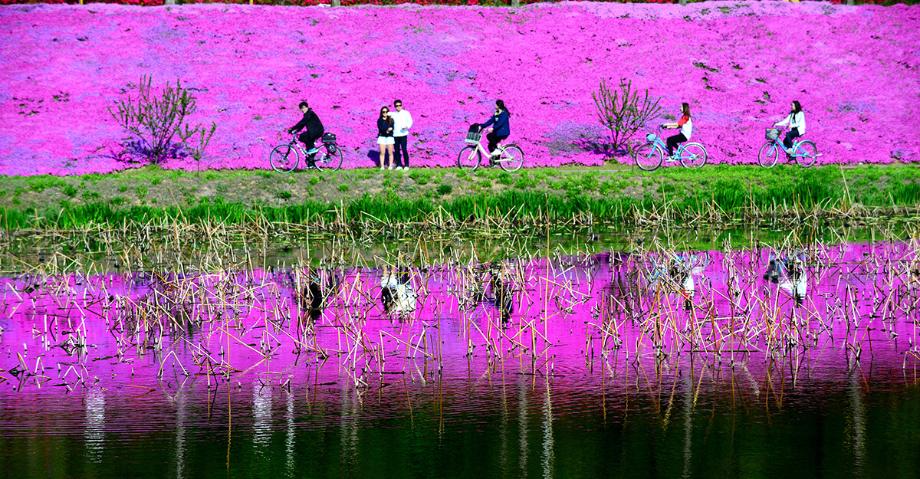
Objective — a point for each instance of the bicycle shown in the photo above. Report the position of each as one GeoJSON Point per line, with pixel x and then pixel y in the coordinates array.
{"type": "Point", "coordinates": [805, 152]}
{"type": "Point", "coordinates": [651, 154]}
{"type": "Point", "coordinates": [285, 157]}
{"type": "Point", "coordinates": [510, 157]}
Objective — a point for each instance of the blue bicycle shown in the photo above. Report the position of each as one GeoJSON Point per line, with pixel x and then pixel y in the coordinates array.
{"type": "Point", "coordinates": [651, 154]}
{"type": "Point", "coordinates": [804, 152]}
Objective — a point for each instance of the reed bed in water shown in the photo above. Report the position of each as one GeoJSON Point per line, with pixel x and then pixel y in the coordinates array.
{"type": "Point", "coordinates": [219, 314]}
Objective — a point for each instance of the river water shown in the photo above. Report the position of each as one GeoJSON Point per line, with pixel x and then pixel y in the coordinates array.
{"type": "Point", "coordinates": [758, 362]}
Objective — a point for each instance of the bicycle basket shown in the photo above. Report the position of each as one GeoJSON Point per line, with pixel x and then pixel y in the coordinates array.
{"type": "Point", "coordinates": [329, 139]}
{"type": "Point", "coordinates": [650, 137]}
{"type": "Point", "coordinates": [772, 133]}
{"type": "Point", "coordinates": [473, 137]}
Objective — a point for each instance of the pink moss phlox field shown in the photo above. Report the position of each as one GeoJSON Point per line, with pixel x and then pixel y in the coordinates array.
{"type": "Point", "coordinates": [855, 70]}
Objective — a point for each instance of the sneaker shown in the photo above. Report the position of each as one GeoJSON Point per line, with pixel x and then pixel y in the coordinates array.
{"type": "Point", "coordinates": [398, 168]}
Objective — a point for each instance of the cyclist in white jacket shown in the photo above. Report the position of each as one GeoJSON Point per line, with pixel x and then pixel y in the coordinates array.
{"type": "Point", "coordinates": [796, 123]}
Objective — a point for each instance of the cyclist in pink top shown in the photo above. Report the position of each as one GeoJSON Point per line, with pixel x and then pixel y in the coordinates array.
{"type": "Point", "coordinates": [686, 129]}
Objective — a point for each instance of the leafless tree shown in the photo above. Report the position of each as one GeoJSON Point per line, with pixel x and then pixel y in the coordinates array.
{"type": "Point", "coordinates": [623, 110]}
{"type": "Point", "coordinates": [155, 119]}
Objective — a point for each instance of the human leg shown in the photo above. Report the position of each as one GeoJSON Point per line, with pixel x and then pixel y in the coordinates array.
{"type": "Point", "coordinates": [382, 156]}
{"type": "Point", "coordinates": [790, 137]}
{"type": "Point", "coordinates": [390, 153]}
{"type": "Point", "coordinates": [673, 141]}
{"type": "Point", "coordinates": [309, 139]}
{"type": "Point", "coordinates": [402, 151]}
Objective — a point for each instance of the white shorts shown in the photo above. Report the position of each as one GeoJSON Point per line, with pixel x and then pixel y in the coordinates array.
{"type": "Point", "coordinates": [386, 140]}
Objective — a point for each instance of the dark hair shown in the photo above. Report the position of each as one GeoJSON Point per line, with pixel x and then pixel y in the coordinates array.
{"type": "Point", "coordinates": [501, 106]}
{"type": "Point", "coordinates": [796, 106]}
{"type": "Point", "coordinates": [685, 108]}
{"type": "Point", "coordinates": [303, 104]}
{"type": "Point", "coordinates": [396, 101]}
{"type": "Point", "coordinates": [381, 109]}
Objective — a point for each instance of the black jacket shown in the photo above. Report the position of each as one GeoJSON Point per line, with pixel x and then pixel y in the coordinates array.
{"type": "Point", "coordinates": [309, 121]}
{"type": "Point", "coordinates": [385, 127]}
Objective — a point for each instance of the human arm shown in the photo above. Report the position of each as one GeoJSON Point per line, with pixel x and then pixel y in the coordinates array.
{"type": "Point", "coordinates": [300, 124]}
{"type": "Point", "coordinates": [784, 122]}
{"type": "Point", "coordinates": [408, 122]}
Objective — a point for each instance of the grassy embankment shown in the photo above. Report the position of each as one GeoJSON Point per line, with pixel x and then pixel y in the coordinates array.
{"type": "Point", "coordinates": [613, 194]}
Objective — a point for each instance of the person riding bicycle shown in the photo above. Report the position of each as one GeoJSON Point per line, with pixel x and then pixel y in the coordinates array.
{"type": "Point", "coordinates": [501, 129]}
{"type": "Point", "coordinates": [685, 123]}
{"type": "Point", "coordinates": [312, 131]}
{"type": "Point", "coordinates": [796, 123]}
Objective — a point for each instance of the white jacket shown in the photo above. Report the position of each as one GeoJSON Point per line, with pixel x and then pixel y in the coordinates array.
{"type": "Point", "coordinates": [795, 121]}
{"type": "Point", "coordinates": [402, 121]}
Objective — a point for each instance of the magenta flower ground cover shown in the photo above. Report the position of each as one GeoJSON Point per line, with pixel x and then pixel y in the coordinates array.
{"type": "Point", "coordinates": [855, 70]}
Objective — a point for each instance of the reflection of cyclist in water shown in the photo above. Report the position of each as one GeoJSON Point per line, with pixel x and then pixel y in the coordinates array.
{"type": "Point", "coordinates": [788, 271]}
{"type": "Point", "coordinates": [500, 281]}
{"type": "Point", "coordinates": [319, 285]}
{"type": "Point", "coordinates": [396, 291]}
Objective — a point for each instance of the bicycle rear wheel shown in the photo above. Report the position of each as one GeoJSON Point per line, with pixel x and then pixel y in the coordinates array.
{"type": "Point", "coordinates": [767, 155]}
{"type": "Point", "coordinates": [284, 158]}
{"type": "Point", "coordinates": [512, 158]}
{"type": "Point", "coordinates": [332, 158]}
{"type": "Point", "coordinates": [807, 153]}
{"type": "Point", "coordinates": [694, 155]}
{"type": "Point", "coordinates": [469, 157]}
{"type": "Point", "coordinates": [648, 157]}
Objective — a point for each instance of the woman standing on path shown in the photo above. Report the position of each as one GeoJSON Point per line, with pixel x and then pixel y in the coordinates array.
{"type": "Point", "coordinates": [385, 136]}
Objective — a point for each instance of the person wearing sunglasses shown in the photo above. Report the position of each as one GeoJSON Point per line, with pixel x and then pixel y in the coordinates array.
{"type": "Point", "coordinates": [402, 121]}
{"type": "Point", "coordinates": [385, 137]}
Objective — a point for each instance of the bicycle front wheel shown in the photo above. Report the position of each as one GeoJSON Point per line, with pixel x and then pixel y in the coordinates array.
{"type": "Point", "coordinates": [512, 158]}
{"type": "Point", "coordinates": [648, 157]}
{"type": "Point", "coordinates": [332, 158]}
{"type": "Point", "coordinates": [469, 157]}
{"type": "Point", "coordinates": [767, 155]}
{"type": "Point", "coordinates": [694, 155]}
{"type": "Point", "coordinates": [807, 153]}
{"type": "Point", "coordinates": [284, 158]}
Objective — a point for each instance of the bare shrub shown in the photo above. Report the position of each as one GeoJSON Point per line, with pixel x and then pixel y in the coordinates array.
{"type": "Point", "coordinates": [157, 122]}
{"type": "Point", "coordinates": [623, 111]}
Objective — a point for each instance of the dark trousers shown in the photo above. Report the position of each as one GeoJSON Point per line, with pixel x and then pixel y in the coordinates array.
{"type": "Point", "coordinates": [674, 141]}
{"type": "Point", "coordinates": [791, 135]}
{"type": "Point", "coordinates": [494, 140]}
{"type": "Point", "coordinates": [401, 150]}
{"type": "Point", "coordinates": [309, 140]}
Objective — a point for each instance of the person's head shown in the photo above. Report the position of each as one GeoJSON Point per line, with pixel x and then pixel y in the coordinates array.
{"type": "Point", "coordinates": [398, 105]}
{"type": "Point", "coordinates": [500, 106]}
{"type": "Point", "coordinates": [303, 106]}
{"type": "Point", "coordinates": [685, 108]}
{"type": "Point", "coordinates": [384, 111]}
{"type": "Point", "coordinates": [796, 106]}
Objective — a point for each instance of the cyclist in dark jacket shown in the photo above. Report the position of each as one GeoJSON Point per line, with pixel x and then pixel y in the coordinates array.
{"type": "Point", "coordinates": [501, 128]}
{"type": "Point", "coordinates": [312, 131]}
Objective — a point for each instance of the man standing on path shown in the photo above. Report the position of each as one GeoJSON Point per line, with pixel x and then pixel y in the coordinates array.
{"type": "Point", "coordinates": [402, 121]}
